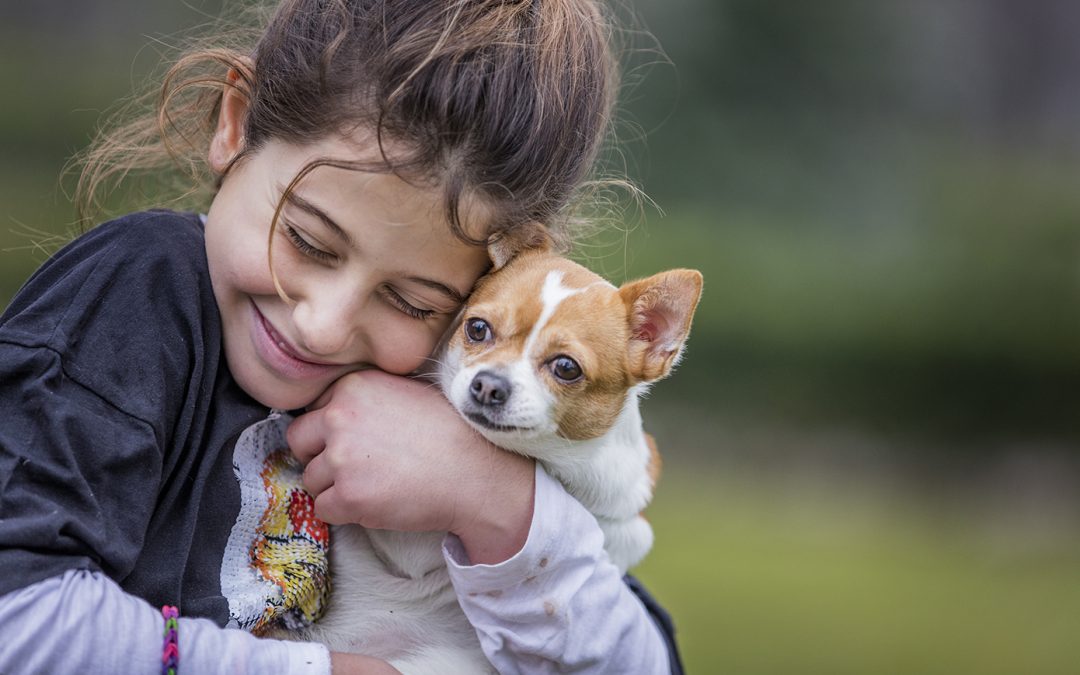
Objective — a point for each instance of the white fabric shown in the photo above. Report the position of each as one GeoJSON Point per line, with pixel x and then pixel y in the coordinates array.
{"type": "Point", "coordinates": [250, 594]}
{"type": "Point", "coordinates": [558, 605]}
{"type": "Point", "coordinates": [275, 566]}
{"type": "Point", "coordinates": [82, 622]}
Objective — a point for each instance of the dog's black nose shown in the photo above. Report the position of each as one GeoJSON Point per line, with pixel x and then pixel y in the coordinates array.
{"type": "Point", "coordinates": [487, 388]}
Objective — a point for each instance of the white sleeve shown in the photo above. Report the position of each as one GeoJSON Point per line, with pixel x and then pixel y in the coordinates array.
{"type": "Point", "coordinates": [83, 622]}
{"type": "Point", "coordinates": [559, 605]}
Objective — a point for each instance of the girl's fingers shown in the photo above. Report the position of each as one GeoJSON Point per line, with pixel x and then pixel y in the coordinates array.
{"type": "Point", "coordinates": [330, 508]}
{"type": "Point", "coordinates": [306, 436]}
{"type": "Point", "coordinates": [318, 477]}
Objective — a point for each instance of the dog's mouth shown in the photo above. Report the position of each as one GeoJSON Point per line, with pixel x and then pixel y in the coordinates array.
{"type": "Point", "coordinates": [483, 421]}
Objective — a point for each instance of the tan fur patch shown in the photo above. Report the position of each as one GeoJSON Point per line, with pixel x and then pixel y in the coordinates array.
{"type": "Point", "coordinates": [590, 328]}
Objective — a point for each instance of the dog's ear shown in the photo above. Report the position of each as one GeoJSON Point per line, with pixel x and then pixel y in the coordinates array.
{"type": "Point", "coordinates": [503, 246]}
{"type": "Point", "coordinates": [659, 311]}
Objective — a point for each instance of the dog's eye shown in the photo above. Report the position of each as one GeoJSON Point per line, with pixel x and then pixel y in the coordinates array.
{"type": "Point", "coordinates": [566, 369]}
{"type": "Point", "coordinates": [477, 330]}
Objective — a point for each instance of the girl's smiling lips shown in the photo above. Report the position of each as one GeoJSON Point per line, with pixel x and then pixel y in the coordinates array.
{"type": "Point", "coordinates": [277, 353]}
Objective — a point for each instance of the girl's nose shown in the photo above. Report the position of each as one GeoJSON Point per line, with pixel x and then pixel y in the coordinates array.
{"type": "Point", "coordinates": [327, 323]}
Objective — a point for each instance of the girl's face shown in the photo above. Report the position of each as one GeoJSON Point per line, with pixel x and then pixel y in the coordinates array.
{"type": "Point", "coordinates": [372, 273]}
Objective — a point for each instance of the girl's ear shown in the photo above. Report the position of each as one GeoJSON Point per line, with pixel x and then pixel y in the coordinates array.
{"type": "Point", "coordinates": [659, 310]}
{"type": "Point", "coordinates": [228, 139]}
{"type": "Point", "coordinates": [502, 247]}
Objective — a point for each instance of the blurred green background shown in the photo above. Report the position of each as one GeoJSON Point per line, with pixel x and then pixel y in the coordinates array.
{"type": "Point", "coordinates": [871, 447]}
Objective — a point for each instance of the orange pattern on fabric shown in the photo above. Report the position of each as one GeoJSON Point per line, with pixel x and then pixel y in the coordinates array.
{"type": "Point", "coordinates": [290, 548]}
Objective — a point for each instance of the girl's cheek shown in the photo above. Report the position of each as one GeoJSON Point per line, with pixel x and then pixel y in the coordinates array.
{"type": "Point", "coordinates": [406, 348]}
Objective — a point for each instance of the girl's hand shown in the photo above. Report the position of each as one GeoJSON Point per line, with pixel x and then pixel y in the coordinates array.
{"type": "Point", "coordinates": [389, 452]}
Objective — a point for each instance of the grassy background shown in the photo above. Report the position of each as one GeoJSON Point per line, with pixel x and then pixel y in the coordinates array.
{"type": "Point", "coordinates": [871, 447]}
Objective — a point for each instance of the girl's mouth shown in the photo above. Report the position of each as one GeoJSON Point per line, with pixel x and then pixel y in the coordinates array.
{"type": "Point", "coordinates": [276, 352]}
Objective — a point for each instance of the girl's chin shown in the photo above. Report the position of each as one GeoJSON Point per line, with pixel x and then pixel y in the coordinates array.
{"type": "Point", "coordinates": [273, 393]}
{"type": "Point", "coordinates": [286, 403]}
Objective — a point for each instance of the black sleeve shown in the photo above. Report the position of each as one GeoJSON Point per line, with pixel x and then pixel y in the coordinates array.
{"type": "Point", "coordinates": [78, 477]}
{"type": "Point", "coordinates": [662, 620]}
{"type": "Point", "coordinates": [95, 357]}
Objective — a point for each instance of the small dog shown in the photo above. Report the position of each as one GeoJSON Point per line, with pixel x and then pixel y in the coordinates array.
{"type": "Point", "coordinates": [548, 361]}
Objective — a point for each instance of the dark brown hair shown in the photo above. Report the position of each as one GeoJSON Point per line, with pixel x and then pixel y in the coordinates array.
{"type": "Point", "coordinates": [505, 101]}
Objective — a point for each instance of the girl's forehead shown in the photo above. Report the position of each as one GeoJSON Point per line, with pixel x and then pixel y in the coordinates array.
{"type": "Point", "coordinates": [352, 173]}
{"type": "Point", "coordinates": [363, 200]}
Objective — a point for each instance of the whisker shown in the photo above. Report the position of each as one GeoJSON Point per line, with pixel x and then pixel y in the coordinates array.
{"type": "Point", "coordinates": [432, 385]}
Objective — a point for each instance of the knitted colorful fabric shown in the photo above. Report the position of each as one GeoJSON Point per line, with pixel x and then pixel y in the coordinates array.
{"type": "Point", "coordinates": [275, 567]}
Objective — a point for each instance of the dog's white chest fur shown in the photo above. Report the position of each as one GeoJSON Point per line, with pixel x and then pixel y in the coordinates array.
{"type": "Point", "coordinates": [610, 476]}
{"type": "Point", "coordinates": [392, 599]}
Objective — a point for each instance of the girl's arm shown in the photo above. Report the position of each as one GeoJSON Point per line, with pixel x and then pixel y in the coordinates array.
{"type": "Point", "coordinates": [559, 605]}
{"type": "Point", "coordinates": [391, 453]}
{"type": "Point", "coordinates": [83, 622]}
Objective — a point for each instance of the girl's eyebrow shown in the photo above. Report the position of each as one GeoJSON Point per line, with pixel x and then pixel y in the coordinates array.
{"type": "Point", "coordinates": [456, 296]}
{"type": "Point", "coordinates": [306, 206]}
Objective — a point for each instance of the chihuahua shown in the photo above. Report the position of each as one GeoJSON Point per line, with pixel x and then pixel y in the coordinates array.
{"type": "Point", "coordinates": [550, 361]}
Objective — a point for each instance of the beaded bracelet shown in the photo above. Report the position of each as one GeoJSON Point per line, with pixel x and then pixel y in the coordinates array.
{"type": "Point", "coordinates": [170, 653]}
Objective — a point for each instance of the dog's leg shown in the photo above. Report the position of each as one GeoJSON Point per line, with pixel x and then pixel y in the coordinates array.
{"type": "Point", "coordinates": [626, 541]}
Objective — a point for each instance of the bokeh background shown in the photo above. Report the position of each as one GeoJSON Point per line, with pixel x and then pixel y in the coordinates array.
{"type": "Point", "coordinates": [871, 447]}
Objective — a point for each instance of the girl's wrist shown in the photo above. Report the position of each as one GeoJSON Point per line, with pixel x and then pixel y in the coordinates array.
{"type": "Point", "coordinates": [502, 513]}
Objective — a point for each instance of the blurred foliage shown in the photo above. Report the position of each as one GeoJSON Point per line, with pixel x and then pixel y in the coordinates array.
{"type": "Point", "coordinates": [884, 198]}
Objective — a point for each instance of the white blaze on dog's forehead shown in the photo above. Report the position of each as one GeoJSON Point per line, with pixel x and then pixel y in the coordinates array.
{"type": "Point", "coordinates": [551, 295]}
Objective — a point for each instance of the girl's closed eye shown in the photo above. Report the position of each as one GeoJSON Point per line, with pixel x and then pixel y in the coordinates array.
{"type": "Point", "coordinates": [304, 246]}
{"type": "Point", "coordinates": [396, 299]}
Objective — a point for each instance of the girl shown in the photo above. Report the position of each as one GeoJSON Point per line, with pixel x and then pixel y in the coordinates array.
{"type": "Point", "coordinates": [363, 151]}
